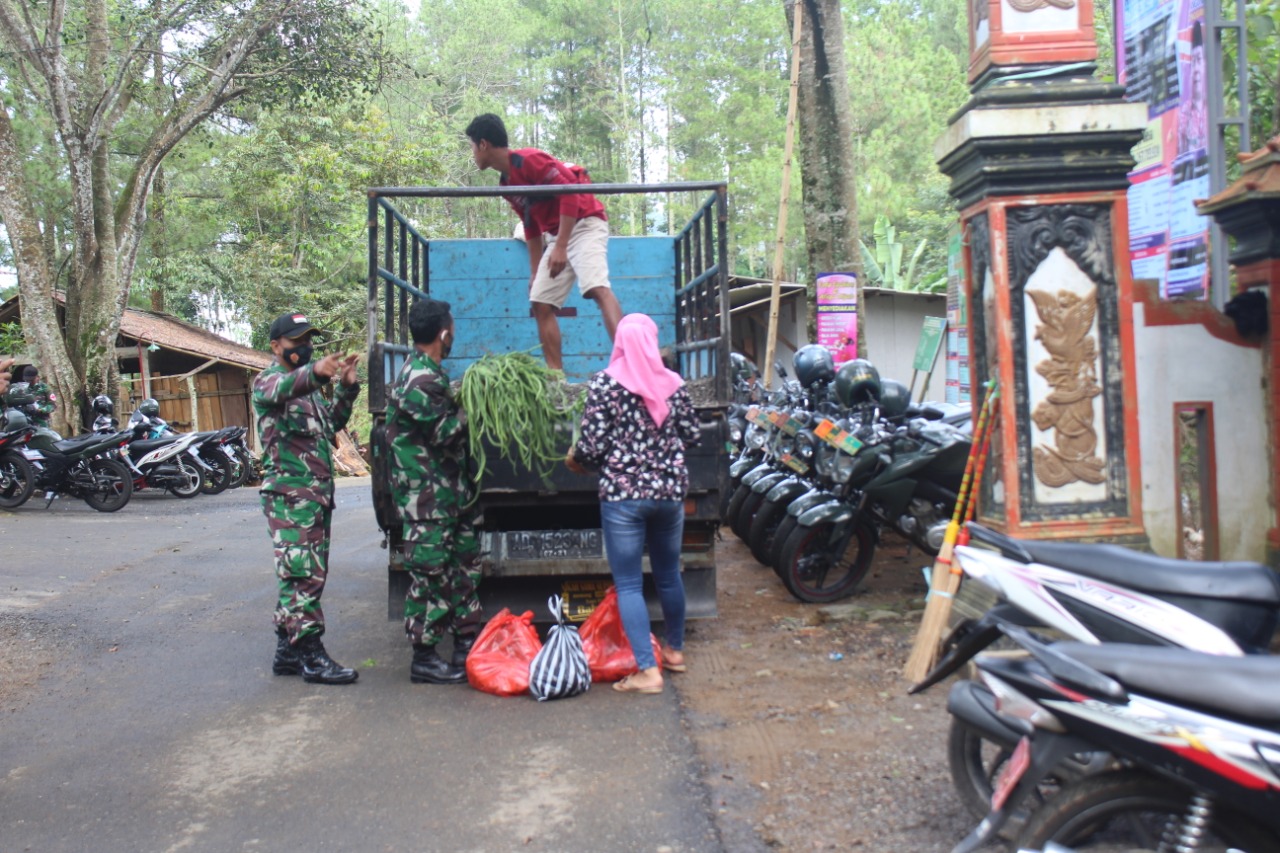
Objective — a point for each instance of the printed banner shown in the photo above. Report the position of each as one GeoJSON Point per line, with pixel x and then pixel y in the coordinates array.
{"type": "Point", "coordinates": [1161, 60]}
{"type": "Point", "coordinates": [837, 315]}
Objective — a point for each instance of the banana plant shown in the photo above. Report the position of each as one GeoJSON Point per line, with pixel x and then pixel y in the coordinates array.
{"type": "Point", "coordinates": [883, 267]}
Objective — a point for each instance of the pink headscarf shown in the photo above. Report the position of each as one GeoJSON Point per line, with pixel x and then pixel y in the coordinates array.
{"type": "Point", "coordinates": [637, 365]}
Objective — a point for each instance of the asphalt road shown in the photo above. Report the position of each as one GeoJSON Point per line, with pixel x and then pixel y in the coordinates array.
{"type": "Point", "coordinates": [155, 724]}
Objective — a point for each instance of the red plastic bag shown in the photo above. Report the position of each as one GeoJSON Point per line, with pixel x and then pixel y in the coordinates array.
{"type": "Point", "coordinates": [499, 661]}
{"type": "Point", "coordinates": [605, 642]}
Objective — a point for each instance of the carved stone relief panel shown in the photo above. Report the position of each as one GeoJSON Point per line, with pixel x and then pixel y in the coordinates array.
{"type": "Point", "coordinates": [1039, 16]}
{"type": "Point", "coordinates": [1064, 393]}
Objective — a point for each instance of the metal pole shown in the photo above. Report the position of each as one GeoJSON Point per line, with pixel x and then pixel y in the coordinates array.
{"type": "Point", "coordinates": [775, 298]}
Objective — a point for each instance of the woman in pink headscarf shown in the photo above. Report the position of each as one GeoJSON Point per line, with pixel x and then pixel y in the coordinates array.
{"type": "Point", "coordinates": [638, 422]}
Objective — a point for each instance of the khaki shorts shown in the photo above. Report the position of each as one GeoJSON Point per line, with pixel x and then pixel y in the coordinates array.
{"type": "Point", "coordinates": [588, 263]}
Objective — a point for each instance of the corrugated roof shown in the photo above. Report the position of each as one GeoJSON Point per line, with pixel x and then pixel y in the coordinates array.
{"type": "Point", "coordinates": [170, 332]}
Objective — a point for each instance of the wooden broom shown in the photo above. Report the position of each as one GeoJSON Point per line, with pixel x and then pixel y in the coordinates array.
{"type": "Point", "coordinates": [938, 608]}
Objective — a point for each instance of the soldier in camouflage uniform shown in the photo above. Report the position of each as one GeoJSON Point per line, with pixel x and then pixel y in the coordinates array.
{"type": "Point", "coordinates": [297, 427]}
{"type": "Point", "coordinates": [46, 400]}
{"type": "Point", "coordinates": [433, 490]}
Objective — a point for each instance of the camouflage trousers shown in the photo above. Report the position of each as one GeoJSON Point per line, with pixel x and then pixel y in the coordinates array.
{"type": "Point", "coordinates": [300, 538]}
{"type": "Point", "coordinates": [442, 557]}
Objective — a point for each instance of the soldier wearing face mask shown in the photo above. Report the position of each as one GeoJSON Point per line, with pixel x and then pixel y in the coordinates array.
{"type": "Point", "coordinates": [297, 428]}
{"type": "Point", "coordinates": [435, 493]}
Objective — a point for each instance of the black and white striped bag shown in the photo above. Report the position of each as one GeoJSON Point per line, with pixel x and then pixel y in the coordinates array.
{"type": "Point", "coordinates": [560, 669]}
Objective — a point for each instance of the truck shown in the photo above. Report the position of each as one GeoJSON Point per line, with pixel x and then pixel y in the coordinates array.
{"type": "Point", "coordinates": [541, 535]}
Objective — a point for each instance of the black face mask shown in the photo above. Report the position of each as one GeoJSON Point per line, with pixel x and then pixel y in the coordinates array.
{"type": "Point", "coordinates": [446, 345]}
{"type": "Point", "coordinates": [299, 355]}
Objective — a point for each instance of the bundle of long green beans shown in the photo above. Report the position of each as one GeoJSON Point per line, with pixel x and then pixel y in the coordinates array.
{"type": "Point", "coordinates": [515, 403]}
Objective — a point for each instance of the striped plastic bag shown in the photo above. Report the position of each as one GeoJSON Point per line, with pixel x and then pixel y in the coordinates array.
{"type": "Point", "coordinates": [560, 668]}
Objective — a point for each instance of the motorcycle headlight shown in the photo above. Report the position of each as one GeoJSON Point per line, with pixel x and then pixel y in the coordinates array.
{"type": "Point", "coordinates": [804, 446]}
{"type": "Point", "coordinates": [735, 434]}
{"type": "Point", "coordinates": [755, 436]}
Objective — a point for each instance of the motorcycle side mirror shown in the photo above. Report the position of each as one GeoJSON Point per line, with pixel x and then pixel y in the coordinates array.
{"type": "Point", "coordinates": [782, 371]}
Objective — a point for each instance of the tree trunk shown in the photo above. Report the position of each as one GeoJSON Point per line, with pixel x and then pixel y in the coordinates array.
{"type": "Point", "coordinates": [828, 173]}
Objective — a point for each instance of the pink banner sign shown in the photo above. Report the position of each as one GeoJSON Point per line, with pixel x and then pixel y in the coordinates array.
{"type": "Point", "coordinates": [837, 315]}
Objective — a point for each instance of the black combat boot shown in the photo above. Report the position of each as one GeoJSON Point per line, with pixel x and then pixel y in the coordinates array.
{"type": "Point", "coordinates": [429, 668]}
{"type": "Point", "coordinates": [461, 648]}
{"type": "Point", "coordinates": [318, 667]}
{"type": "Point", "coordinates": [287, 661]}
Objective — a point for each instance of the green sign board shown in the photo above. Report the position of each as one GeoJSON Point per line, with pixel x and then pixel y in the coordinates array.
{"type": "Point", "coordinates": [931, 335]}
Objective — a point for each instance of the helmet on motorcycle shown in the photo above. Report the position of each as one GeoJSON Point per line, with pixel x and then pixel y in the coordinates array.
{"type": "Point", "coordinates": [814, 365]}
{"type": "Point", "coordinates": [102, 405]}
{"type": "Point", "coordinates": [857, 381]}
{"type": "Point", "coordinates": [744, 369]}
{"type": "Point", "coordinates": [19, 395]}
{"type": "Point", "coordinates": [894, 398]}
{"type": "Point", "coordinates": [149, 407]}
{"type": "Point", "coordinates": [12, 420]}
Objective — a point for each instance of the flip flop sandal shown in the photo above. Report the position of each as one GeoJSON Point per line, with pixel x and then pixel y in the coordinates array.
{"type": "Point", "coordinates": [675, 667]}
{"type": "Point", "coordinates": [625, 686]}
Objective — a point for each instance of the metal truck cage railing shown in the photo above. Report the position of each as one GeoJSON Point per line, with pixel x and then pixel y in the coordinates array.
{"type": "Point", "coordinates": [700, 272]}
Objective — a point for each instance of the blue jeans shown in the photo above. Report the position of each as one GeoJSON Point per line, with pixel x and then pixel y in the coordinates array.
{"type": "Point", "coordinates": [627, 526]}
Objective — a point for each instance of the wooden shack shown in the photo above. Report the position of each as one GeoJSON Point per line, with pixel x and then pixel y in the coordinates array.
{"type": "Point", "coordinates": [201, 380]}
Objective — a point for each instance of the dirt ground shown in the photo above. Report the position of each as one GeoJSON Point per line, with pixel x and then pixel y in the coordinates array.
{"type": "Point", "coordinates": [807, 752]}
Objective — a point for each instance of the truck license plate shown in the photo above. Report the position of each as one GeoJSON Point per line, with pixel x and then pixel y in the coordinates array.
{"type": "Point", "coordinates": [555, 544]}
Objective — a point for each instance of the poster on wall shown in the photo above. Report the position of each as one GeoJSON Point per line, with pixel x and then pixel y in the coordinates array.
{"type": "Point", "coordinates": [957, 323]}
{"type": "Point", "coordinates": [1161, 61]}
{"type": "Point", "coordinates": [837, 315]}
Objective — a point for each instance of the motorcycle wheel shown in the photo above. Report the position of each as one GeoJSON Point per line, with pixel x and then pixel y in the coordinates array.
{"type": "Point", "coordinates": [249, 464]}
{"type": "Point", "coordinates": [740, 494]}
{"type": "Point", "coordinates": [789, 523]}
{"type": "Point", "coordinates": [808, 565]}
{"type": "Point", "coordinates": [17, 480]}
{"type": "Point", "coordinates": [975, 764]}
{"type": "Point", "coordinates": [191, 480]}
{"type": "Point", "coordinates": [727, 496]}
{"type": "Point", "coordinates": [218, 479]}
{"type": "Point", "coordinates": [763, 527]}
{"type": "Point", "coordinates": [1128, 812]}
{"type": "Point", "coordinates": [113, 485]}
{"type": "Point", "coordinates": [742, 522]}
{"type": "Point", "coordinates": [239, 471]}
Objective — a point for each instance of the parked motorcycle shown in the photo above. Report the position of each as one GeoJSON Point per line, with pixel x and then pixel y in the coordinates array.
{"type": "Point", "coordinates": [17, 476]}
{"type": "Point", "coordinates": [1196, 739]}
{"type": "Point", "coordinates": [905, 478]}
{"type": "Point", "coordinates": [87, 467]}
{"type": "Point", "coordinates": [1092, 594]}
{"type": "Point", "coordinates": [212, 451]}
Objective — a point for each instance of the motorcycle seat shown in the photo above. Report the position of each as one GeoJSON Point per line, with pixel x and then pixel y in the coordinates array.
{"type": "Point", "coordinates": [1237, 581]}
{"type": "Point", "coordinates": [1239, 687]}
{"type": "Point", "coordinates": [146, 445]}
{"type": "Point", "coordinates": [79, 442]}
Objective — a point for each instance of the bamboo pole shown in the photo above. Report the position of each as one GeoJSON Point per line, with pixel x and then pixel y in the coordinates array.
{"type": "Point", "coordinates": [775, 298]}
{"type": "Point", "coordinates": [938, 607]}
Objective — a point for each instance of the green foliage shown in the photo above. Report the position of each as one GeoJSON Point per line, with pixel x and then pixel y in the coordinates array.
{"type": "Point", "coordinates": [883, 267]}
{"type": "Point", "coordinates": [12, 340]}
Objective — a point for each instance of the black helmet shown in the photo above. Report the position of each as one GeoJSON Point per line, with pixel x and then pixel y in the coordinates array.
{"type": "Point", "coordinates": [857, 381]}
{"type": "Point", "coordinates": [894, 398]}
{"type": "Point", "coordinates": [814, 365]}
{"type": "Point", "coordinates": [149, 407]}
{"type": "Point", "coordinates": [102, 405]}
{"type": "Point", "coordinates": [744, 369]}
{"type": "Point", "coordinates": [19, 395]}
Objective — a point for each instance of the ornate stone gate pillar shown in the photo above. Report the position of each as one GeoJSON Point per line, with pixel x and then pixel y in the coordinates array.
{"type": "Point", "coordinates": [1038, 160]}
